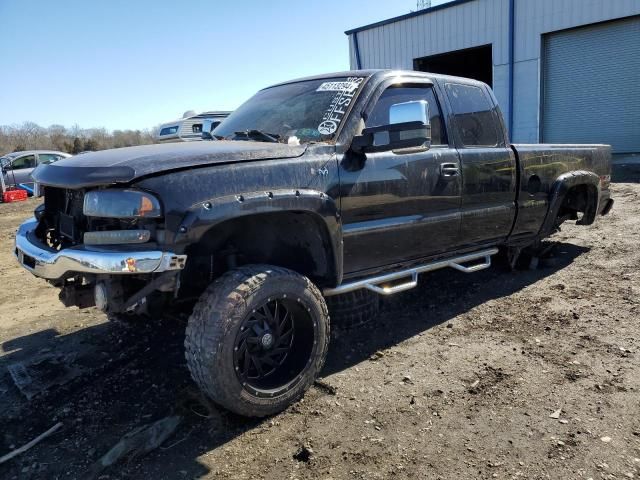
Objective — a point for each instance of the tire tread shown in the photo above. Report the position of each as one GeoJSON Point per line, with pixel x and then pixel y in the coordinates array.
{"type": "Point", "coordinates": [210, 323]}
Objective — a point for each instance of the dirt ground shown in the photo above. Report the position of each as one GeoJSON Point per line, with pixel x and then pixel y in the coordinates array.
{"type": "Point", "coordinates": [459, 378]}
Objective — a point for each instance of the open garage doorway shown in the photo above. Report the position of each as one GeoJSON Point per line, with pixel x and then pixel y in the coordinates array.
{"type": "Point", "coordinates": [476, 63]}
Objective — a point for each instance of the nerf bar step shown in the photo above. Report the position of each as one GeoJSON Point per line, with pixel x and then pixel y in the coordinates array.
{"type": "Point", "coordinates": [377, 284]}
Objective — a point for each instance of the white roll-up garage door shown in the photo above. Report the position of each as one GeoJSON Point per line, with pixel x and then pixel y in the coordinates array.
{"type": "Point", "coordinates": [591, 86]}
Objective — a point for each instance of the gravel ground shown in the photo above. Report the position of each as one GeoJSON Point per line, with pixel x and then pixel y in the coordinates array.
{"type": "Point", "coordinates": [530, 374]}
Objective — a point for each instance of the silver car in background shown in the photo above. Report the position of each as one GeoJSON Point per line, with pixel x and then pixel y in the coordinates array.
{"type": "Point", "coordinates": [17, 166]}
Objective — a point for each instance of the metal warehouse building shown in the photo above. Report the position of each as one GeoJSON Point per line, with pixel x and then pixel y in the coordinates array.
{"type": "Point", "coordinates": [564, 71]}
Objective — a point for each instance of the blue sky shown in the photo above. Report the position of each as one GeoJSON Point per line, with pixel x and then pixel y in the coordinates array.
{"type": "Point", "coordinates": [133, 64]}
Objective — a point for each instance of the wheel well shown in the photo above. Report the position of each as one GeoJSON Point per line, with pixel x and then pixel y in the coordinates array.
{"type": "Point", "coordinates": [580, 199]}
{"type": "Point", "coordinates": [299, 241]}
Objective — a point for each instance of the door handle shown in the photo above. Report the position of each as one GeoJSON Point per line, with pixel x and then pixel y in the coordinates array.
{"type": "Point", "coordinates": [449, 169]}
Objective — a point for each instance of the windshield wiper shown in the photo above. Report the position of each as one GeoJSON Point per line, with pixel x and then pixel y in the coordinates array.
{"type": "Point", "coordinates": [258, 135]}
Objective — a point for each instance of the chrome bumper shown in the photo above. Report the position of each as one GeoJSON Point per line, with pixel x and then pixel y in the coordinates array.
{"type": "Point", "coordinates": [50, 264]}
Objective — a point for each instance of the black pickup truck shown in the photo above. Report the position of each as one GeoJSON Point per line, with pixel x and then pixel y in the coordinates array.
{"type": "Point", "coordinates": [314, 197]}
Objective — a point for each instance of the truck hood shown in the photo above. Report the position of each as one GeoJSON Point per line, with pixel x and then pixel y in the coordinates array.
{"type": "Point", "coordinates": [122, 165]}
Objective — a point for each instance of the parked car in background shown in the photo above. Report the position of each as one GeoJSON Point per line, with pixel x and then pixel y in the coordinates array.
{"type": "Point", "coordinates": [17, 166]}
{"type": "Point", "coordinates": [189, 127]}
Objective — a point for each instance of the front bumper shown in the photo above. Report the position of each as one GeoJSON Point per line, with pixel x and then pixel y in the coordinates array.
{"type": "Point", "coordinates": [51, 264]}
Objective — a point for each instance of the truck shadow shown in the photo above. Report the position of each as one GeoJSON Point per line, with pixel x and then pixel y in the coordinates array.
{"type": "Point", "coordinates": [124, 377]}
{"type": "Point", "coordinates": [439, 297]}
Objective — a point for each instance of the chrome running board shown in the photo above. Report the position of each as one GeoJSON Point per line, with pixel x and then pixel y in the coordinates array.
{"type": "Point", "coordinates": [377, 284]}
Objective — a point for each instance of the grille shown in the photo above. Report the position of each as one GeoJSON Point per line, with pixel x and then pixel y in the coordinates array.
{"type": "Point", "coordinates": [63, 222]}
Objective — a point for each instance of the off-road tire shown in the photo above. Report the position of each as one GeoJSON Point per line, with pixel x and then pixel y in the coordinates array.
{"type": "Point", "coordinates": [353, 309]}
{"type": "Point", "coordinates": [217, 319]}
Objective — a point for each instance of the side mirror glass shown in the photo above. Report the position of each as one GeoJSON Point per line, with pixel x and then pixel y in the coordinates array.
{"type": "Point", "coordinates": [408, 128]}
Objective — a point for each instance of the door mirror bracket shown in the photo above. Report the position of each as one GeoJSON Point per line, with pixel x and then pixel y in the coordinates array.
{"type": "Point", "coordinates": [393, 137]}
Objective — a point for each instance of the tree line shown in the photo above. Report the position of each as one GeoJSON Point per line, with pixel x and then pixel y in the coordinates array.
{"type": "Point", "coordinates": [31, 136]}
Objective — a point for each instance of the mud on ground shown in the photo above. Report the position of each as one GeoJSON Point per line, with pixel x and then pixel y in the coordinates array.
{"type": "Point", "coordinates": [456, 379]}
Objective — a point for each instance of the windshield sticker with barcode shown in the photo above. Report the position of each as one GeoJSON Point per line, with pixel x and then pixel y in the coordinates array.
{"type": "Point", "coordinates": [339, 103]}
{"type": "Point", "coordinates": [348, 86]}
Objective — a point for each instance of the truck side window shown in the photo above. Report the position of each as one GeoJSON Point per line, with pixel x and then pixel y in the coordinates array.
{"type": "Point", "coordinates": [397, 94]}
{"type": "Point", "coordinates": [474, 115]}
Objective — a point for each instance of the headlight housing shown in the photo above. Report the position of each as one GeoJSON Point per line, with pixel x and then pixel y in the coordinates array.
{"type": "Point", "coordinates": [121, 203]}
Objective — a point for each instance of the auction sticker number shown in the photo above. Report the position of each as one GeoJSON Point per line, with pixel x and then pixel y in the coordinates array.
{"type": "Point", "coordinates": [348, 86]}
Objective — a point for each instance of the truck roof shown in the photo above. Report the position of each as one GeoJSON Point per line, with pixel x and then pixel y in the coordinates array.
{"type": "Point", "coordinates": [382, 73]}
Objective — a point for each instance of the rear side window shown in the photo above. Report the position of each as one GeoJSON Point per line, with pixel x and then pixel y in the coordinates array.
{"type": "Point", "coordinates": [474, 115]}
{"type": "Point", "coordinates": [400, 94]}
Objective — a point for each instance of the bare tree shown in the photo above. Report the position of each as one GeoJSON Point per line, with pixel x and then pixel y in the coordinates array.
{"type": "Point", "coordinates": [31, 136]}
{"type": "Point", "coordinates": [58, 136]}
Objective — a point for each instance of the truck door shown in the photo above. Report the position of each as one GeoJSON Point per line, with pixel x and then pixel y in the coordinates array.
{"type": "Point", "coordinates": [488, 165]}
{"type": "Point", "coordinates": [400, 205]}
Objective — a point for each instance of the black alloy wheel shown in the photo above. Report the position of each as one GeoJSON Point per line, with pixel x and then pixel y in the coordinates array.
{"type": "Point", "coordinates": [257, 339]}
{"type": "Point", "coordinates": [268, 356]}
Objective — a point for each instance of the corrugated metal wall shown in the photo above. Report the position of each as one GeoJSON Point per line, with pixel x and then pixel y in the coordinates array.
{"type": "Point", "coordinates": [482, 22]}
{"type": "Point", "coordinates": [593, 97]}
{"type": "Point", "coordinates": [471, 24]}
{"type": "Point", "coordinates": [533, 19]}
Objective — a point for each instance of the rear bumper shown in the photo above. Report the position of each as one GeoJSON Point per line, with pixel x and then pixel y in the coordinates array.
{"type": "Point", "coordinates": [44, 262]}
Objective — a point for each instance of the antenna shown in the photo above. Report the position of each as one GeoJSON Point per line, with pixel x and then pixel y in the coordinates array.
{"type": "Point", "coordinates": [422, 4]}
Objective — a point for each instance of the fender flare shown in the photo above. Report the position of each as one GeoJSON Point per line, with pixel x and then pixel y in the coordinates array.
{"type": "Point", "coordinates": [205, 215]}
{"type": "Point", "coordinates": [559, 190]}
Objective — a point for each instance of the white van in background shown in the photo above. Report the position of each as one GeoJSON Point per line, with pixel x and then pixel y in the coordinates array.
{"type": "Point", "coordinates": [189, 127]}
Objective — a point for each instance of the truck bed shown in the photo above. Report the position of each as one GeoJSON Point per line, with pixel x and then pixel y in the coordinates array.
{"type": "Point", "coordinates": [540, 165]}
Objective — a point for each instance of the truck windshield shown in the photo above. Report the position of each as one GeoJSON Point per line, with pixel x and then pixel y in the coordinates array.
{"type": "Point", "coordinates": [307, 111]}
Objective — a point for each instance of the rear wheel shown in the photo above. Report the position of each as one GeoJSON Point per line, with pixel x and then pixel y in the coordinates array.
{"type": "Point", "coordinates": [353, 309]}
{"type": "Point", "coordinates": [257, 339]}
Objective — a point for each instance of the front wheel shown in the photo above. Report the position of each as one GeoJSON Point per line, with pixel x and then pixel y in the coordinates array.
{"type": "Point", "coordinates": [257, 339]}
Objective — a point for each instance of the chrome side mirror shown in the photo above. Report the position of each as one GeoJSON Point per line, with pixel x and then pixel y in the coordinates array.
{"type": "Point", "coordinates": [409, 129]}
{"type": "Point", "coordinates": [413, 111]}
